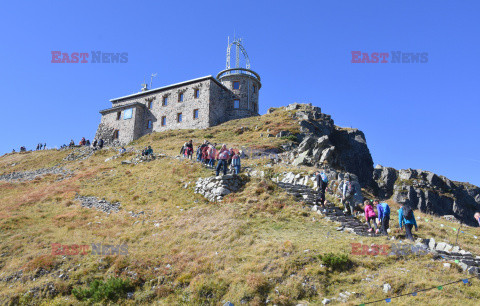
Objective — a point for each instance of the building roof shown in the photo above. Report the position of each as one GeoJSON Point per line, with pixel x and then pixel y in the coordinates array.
{"type": "Point", "coordinates": [121, 107]}
{"type": "Point", "coordinates": [138, 94]}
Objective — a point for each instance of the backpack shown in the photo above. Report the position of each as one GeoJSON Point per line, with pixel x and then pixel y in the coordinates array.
{"type": "Point", "coordinates": [324, 177]}
{"type": "Point", "coordinates": [407, 213]}
{"type": "Point", "coordinates": [386, 209]}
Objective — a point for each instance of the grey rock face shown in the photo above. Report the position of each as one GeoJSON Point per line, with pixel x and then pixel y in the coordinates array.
{"type": "Point", "coordinates": [385, 178]}
{"type": "Point", "coordinates": [325, 144]}
{"type": "Point", "coordinates": [429, 193]}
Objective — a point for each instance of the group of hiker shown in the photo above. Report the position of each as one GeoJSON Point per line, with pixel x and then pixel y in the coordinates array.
{"type": "Point", "coordinates": [147, 151]}
{"type": "Point", "coordinates": [379, 219]}
{"type": "Point", "coordinates": [208, 154]}
{"type": "Point", "coordinates": [41, 146]}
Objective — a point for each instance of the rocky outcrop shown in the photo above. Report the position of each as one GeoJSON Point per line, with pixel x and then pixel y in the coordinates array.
{"type": "Point", "coordinates": [324, 144]}
{"type": "Point", "coordinates": [428, 192]}
{"type": "Point", "coordinates": [216, 187]}
{"type": "Point", "coordinates": [384, 178]}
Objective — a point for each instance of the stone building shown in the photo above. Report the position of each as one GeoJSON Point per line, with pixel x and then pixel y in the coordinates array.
{"type": "Point", "coordinates": [195, 104]}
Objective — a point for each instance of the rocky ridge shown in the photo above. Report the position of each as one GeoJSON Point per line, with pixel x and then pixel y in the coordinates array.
{"type": "Point", "coordinates": [324, 144]}
{"type": "Point", "coordinates": [428, 192]}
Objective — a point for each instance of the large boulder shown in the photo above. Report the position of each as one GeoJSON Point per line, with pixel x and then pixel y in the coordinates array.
{"type": "Point", "coordinates": [384, 178]}
{"type": "Point", "coordinates": [352, 154]}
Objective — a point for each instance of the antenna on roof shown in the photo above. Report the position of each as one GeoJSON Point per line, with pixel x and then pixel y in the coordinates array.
{"type": "Point", "coordinates": [144, 85]}
{"type": "Point", "coordinates": [151, 78]}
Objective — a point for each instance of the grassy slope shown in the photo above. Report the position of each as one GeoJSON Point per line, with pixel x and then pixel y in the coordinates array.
{"type": "Point", "coordinates": [256, 244]}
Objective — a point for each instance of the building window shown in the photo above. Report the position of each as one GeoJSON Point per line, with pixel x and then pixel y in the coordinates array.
{"type": "Point", "coordinates": [149, 104]}
{"type": "Point", "coordinates": [164, 120]}
{"type": "Point", "coordinates": [196, 93]}
{"type": "Point", "coordinates": [195, 114]}
{"type": "Point", "coordinates": [149, 124]}
{"type": "Point", "coordinates": [180, 97]}
{"type": "Point", "coordinates": [119, 115]}
{"type": "Point", "coordinates": [254, 88]}
{"type": "Point", "coordinates": [179, 117]}
{"type": "Point", "coordinates": [128, 113]}
{"type": "Point", "coordinates": [236, 103]}
{"type": "Point", "coordinates": [116, 134]}
{"type": "Point", "coordinates": [236, 85]}
{"type": "Point", "coordinates": [165, 101]}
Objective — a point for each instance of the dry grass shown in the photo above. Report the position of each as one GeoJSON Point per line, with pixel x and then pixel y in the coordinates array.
{"type": "Point", "coordinates": [257, 244]}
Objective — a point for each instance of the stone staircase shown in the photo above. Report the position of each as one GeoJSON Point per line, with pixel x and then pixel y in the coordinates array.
{"type": "Point", "coordinates": [441, 251]}
{"type": "Point", "coordinates": [307, 195]}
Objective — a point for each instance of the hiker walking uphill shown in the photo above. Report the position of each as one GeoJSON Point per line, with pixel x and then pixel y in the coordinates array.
{"type": "Point", "coordinates": [370, 216]}
{"type": "Point", "coordinates": [383, 211]}
{"type": "Point", "coordinates": [348, 192]}
{"type": "Point", "coordinates": [407, 218]}
{"type": "Point", "coordinates": [222, 157]}
{"type": "Point", "coordinates": [189, 149]}
{"type": "Point", "coordinates": [236, 163]}
{"type": "Point", "coordinates": [322, 182]}
{"type": "Point", "coordinates": [211, 153]}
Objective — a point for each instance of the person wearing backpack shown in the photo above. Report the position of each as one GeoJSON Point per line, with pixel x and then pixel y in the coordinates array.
{"type": "Point", "coordinates": [211, 152]}
{"type": "Point", "coordinates": [406, 216]}
{"type": "Point", "coordinates": [347, 196]}
{"type": "Point", "coordinates": [222, 157]}
{"type": "Point", "coordinates": [383, 211]}
{"type": "Point", "coordinates": [236, 163]}
{"type": "Point", "coordinates": [322, 182]}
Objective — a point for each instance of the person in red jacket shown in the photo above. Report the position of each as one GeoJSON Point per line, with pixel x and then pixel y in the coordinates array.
{"type": "Point", "coordinates": [223, 156]}
{"type": "Point", "coordinates": [370, 215]}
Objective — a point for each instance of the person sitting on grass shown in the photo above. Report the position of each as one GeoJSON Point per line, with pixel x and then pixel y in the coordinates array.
{"type": "Point", "coordinates": [236, 163]}
{"type": "Point", "coordinates": [407, 218]}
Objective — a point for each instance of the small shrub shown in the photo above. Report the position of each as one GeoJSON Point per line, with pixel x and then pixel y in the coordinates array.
{"type": "Point", "coordinates": [111, 290]}
{"type": "Point", "coordinates": [209, 136]}
{"type": "Point", "coordinates": [336, 262]}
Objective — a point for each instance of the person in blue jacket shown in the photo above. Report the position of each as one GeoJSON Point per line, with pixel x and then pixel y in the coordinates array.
{"type": "Point", "coordinates": [383, 213]}
{"type": "Point", "coordinates": [406, 216]}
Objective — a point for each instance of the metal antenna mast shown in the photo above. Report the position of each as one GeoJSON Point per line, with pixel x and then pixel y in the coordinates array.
{"type": "Point", "coordinates": [151, 79]}
{"type": "Point", "coordinates": [238, 47]}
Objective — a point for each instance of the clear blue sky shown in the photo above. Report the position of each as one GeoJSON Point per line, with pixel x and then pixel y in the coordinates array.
{"type": "Point", "coordinates": [423, 116]}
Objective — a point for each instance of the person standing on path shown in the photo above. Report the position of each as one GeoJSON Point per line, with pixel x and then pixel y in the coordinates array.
{"type": "Point", "coordinates": [407, 218]}
{"type": "Point", "coordinates": [348, 192]}
{"type": "Point", "coordinates": [383, 212]}
{"type": "Point", "coordinates": [222, 157]}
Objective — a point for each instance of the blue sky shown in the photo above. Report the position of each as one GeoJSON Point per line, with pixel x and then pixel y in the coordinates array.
{"type": "Point", "coordinates": [421, 116]}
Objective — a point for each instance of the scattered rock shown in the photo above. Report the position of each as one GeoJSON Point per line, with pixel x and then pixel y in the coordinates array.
{"type": "Point", "coordinates": [386, 288]}
{"type": "Point", "coordinates": [31, 175]}
{"type": "Point", "coordinates": [102, 205]}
